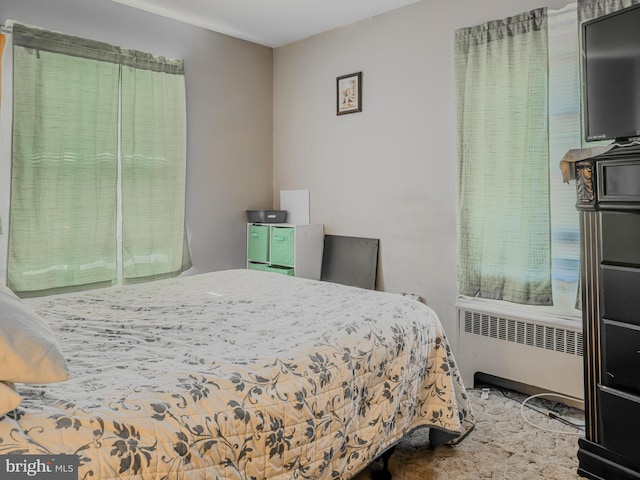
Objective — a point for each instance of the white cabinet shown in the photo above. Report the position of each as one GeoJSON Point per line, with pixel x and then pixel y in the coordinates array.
{"type": "Point", "coordinates": [286, 248]}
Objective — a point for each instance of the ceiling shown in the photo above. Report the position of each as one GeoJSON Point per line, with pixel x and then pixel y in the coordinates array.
{"type": "Point", "coordinates": [268, 22]}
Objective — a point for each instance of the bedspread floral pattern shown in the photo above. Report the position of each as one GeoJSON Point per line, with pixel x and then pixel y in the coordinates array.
{"type": "Point", "coordinates": [237, 375]}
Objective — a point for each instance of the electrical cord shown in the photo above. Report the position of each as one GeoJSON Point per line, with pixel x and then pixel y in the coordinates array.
{"type": "Point", "coordinates": [548, 413]}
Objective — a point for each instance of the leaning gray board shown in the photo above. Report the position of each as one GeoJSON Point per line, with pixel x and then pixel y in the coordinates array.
{"type": "Point", "coordinates": [350, 261]}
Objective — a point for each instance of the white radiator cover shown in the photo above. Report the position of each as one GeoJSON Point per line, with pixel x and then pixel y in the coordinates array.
{"type": "Point", "coordinates": [542, 352]}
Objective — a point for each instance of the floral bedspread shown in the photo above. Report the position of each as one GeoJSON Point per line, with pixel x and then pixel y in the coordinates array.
{"type": "Point", "coordinates": [237, 375]}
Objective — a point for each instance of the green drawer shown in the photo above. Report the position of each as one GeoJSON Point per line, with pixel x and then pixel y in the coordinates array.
{"type": "Point", "coordinates": [281, 270]}
{"type": "Point", "coordinates": [282, 246]}
{"type": "Point", "coordinates": [257, 266]}
{"type": "Point", "coordinates": [258, 243]}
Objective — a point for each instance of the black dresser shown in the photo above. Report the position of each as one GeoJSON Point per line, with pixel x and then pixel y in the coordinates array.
{"type": "Point", "coordinates": [608, 188]}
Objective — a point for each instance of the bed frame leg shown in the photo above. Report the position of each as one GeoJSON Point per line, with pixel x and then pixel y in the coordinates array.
{"type": "Point", "coordinates": [384, 474]}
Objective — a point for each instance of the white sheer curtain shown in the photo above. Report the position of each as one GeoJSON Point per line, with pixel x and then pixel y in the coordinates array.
{"type": "Point", "coordinates": [564, 134]}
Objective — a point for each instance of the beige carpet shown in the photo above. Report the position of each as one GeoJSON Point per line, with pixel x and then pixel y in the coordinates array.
{"type": "Point", "coordinates": [502, 446]}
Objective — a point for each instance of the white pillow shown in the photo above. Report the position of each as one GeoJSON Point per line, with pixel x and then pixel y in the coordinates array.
{"type": "Point", "coordinates": [29, 353]}
{"type": "Point", "coordinates": [9, 398]}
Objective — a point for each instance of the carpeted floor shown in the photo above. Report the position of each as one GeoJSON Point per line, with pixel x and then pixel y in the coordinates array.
{"type": "Point", "coordinates": [502, 446]}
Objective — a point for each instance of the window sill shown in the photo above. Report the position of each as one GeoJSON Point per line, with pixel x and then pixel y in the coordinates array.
{"type": "Point", "coordinates": [544, 315]}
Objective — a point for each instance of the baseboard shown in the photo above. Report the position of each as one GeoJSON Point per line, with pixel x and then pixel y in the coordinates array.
{"type": "Point", "coordinates": [484, 379]}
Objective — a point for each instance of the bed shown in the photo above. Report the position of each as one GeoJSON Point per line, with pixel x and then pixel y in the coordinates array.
{"type": "Point", "coordinates": [235, 374]}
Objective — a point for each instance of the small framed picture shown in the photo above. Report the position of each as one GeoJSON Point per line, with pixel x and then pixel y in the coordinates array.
{"type": "Point", "coordinates": [349, 93]}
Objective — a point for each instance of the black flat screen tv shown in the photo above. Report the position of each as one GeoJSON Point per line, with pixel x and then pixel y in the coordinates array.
{"type": "Point", "coordinates": [611, 76]}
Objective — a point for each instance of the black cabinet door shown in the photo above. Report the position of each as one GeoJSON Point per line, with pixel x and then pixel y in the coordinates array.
{"type": "Point", "coordinates": [620, 293]}
{"type": "Point", "coordinates": [619, 181]}
{"type": "Point", "coordinates": [620, 424]}
{"type": "Point", "coordinates": [620, 238]}
{"type": "Point", "coordinates": [621, 357]}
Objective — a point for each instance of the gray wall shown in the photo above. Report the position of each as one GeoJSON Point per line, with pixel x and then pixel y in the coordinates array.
{"type": "Point", "coordinates": [261, 121]}
{"type": "Point", "coordinates": [389, 171]}
{"type": "Point", "coordinates": [229, 84]}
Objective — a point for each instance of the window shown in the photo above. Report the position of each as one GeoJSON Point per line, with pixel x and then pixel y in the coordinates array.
{"type": "Point", "coordinates": [98, 164]}
{"type": "Point", "coordinates": [518, 112]}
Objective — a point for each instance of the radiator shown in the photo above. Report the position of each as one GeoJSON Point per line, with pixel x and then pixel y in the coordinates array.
{"type": "Point", "coordinates": [542, 352]}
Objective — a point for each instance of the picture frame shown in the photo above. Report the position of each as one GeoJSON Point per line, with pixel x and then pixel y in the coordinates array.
{"type": "Point", "coordinates": [349, 93]}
